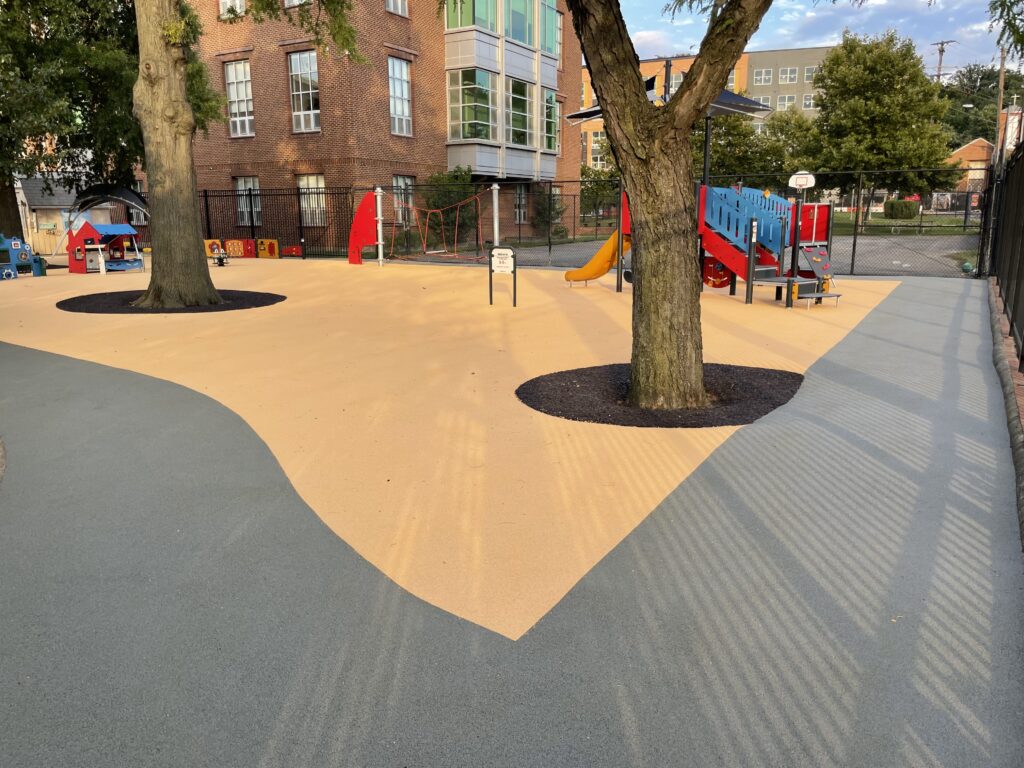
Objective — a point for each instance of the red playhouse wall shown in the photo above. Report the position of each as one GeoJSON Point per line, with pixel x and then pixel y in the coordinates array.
{"type": "Point", "coordinates": [364, 229]}
{"type": "Point", "coordinates": [76, 241]}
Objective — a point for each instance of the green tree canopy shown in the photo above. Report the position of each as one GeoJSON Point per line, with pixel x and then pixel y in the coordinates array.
{"type": "Point", "coordinates": [878, 110]}
{"type": "Point", "coordinates": [978, 86]}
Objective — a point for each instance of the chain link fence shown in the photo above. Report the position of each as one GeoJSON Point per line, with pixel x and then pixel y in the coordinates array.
{"type": "Point", "coordinates": [936, 230]}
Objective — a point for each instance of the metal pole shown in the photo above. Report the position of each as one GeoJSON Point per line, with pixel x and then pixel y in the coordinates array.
{"type": "Point", "coordinates": [751, 260]}
{"type": "Point", "coordinates": [378, 194]}
{"type": "Point", "coordinates": [618, 264]}
{"type": "Point", "coordinates": [856, 221]}
{"type": "Point", "coordinates": [206, 207]}
{"type": "Point", "coordinates": [550, 213]}
{"type": "Point", "coordinates": [794, 261]}
{"type": "Point", "coordinates": [252, 217]}
{"type": "Point", "coordinates": [302, 229]}
{"type": "Point", "coordinates": [494, 213]}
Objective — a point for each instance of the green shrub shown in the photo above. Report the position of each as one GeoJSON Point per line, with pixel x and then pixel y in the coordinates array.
{"type": "Point", "coordinates": [901, 209]}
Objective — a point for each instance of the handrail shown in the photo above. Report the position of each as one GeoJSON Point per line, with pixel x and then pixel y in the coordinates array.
{"type": "Point", "coordinates": [728, 212]}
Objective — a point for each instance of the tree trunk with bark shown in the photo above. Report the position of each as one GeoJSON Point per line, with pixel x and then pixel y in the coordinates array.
{"type": "Point", "coordinates": [180, 275]}
{"type": "Point", "coordinates": [10, 215]}
{"type": "Point", "coordinates": [651, 146]}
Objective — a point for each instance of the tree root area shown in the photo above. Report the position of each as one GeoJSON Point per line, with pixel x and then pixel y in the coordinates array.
{"type": "Point", "coordinates": [120, 303]}
{"type": "Point", "coordinates": [740, 395]}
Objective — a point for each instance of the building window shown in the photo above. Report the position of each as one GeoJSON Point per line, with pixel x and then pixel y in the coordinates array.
{"type": "Point", "coordinates": [401, 190]}
{"type": "Point", "coordinates": [305, 90]}
{"type": "Point", "coordinates": [583, 95]}
{"type": "Point", "coordinates": [808, 101]}
{"type": "Point", "coordinates": [522, 195]}
{"type": "Point", "coordinates": [471, 13]}
{"type": "Point", "coordinates": [518, 112]}
{"type": "Point", "coordinates": [758, 127]}
{"type": "Point", "coordinates": [766, 100]}
{"type": "Point", "coordinates": [551, 121]}
{"type": "Point", "coordinates": [238, 84]}
{"type": "Point", "coordinates": [597, 159]}
{"type": "Point", "coordinates": [785, 102]}
{"type": "Point", "coordinates": [558, 40]}
{"type": "Point", "coordinates": [730, 84]}
{"type": "Point", "coordinates": [400, 87]}
{"type": "Point", "coordinates": [762, 77]}
{"type": "Point", "coordinates": [229, 8]}
{"type": "Point", "coordinates": [294, 3]}
{"type": "Point", "coordinates": [519, 21]}
{"type": "Point", "coordinates": [401, 7]}
{"type": "Point", "coordinates": [312, 200]}
{"type": "Point", "coordinates": [472, 107]}
{"type": "Point", "coordinates": [809, 73]}
{"type": "Point", "coordinates": [250, 213]}
{"type": "Point", "coordinates": [787, 75]}
{"type": "Point", "coordinates": [674, 82]}
{"type": "Point", "coordinates": [548, 27]}
{"type": "Point", "coordinates": [136, 217]}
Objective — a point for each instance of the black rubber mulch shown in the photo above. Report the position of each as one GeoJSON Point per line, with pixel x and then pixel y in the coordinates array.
{"type": "Point", "coordinates": [742, 395]}
{"type": "Point", "coordinates": [120, 303]}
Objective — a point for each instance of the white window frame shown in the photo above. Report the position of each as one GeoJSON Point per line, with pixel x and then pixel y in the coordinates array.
{"type": "Point", "coordinates": [456, 91]}
{"type": "Point", "coordinates": [136, 217]}
{"type": "Point", "coordinates": [400, 95]}
{"type": "Point", "coordinates": [558, 38]}
{"type": "Point", "coordinates": [231, 8]}
{"type": "Point", "coordinates": [786, 101]}
{"type": "Point", "coordinates": [675, 82]}
{"type": "Point", "coordinates": [399, 7]}
{"type": "Point", "coordinates": [763, 76]}
{"type": "Point", "coordinates": [402, 192]}
{"type": "Point", "coordinates": [242, 186]}
{"type": "Point", "coordinates": [520, 203]}
{"type": "Point", "coordinates": [312, 199]}
{"type": "Point", "coordinates": [788, 75]}
{"type": "Point", "coordinates": [547, 122]}
{"type": "Point", "coordinates": [597, 159]}
{"type": "Point", "coordinates": [809, 97]}
{"type": "Point", "coordinates": [304, 64]}
{"type": "Point", "coordinates": [294, 3]}
{"type": "Point", "coordinates": [731, 82]}
{"type": "Point", "coordinates": [809, 73]}
{"type": "Point", "coordinates": [238, 89]}
{"type": "Point", "coordinates": [530, 100]}
{"type": "Point", "coordinates": [766, 100]}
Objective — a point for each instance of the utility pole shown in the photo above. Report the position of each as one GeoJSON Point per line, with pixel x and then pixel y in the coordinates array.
{"type": "Point", "coordinates": [941, 45]}
{"type": "Point", "coordinates": [1000, 133]}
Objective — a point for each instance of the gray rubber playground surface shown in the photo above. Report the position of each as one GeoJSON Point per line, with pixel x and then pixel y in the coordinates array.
{"type": "Point", "coordinates": [839, 584]}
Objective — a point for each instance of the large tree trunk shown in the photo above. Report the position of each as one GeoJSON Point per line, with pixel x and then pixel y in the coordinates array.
{"type": "Point", "coordinates": [10, 215]}
{"type": "Point", "coordinates": [180, 275]}
{"type": "Point", "coordinates": [668, 360]}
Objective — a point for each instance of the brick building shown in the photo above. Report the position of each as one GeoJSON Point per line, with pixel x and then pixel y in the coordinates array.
{"type": "Point", "coordinates": [467, 87]}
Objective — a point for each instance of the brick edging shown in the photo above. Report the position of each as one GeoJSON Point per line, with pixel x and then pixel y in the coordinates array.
{"type": "Point", "coordinates": [1012, 384]}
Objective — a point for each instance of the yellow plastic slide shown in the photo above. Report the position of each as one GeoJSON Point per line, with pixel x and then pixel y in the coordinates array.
{"type": "Point", "coordinates": [603, 260]}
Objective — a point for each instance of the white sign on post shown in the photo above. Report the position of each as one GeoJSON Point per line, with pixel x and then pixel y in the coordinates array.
{"type": "Point", "coordinates": [801, 180]}
{"type": "Point", "coordinates": [503, 261]}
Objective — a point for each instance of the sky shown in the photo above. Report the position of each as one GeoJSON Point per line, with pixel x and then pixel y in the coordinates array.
{"type": "Point", "coordinates": [806, 23]}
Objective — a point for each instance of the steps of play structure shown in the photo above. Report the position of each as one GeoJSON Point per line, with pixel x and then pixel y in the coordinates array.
{"type": "Point", "coordinates": [765, 270]}
{"type": "Point", "coordinates": [808, 297]}
{"type": "Point", "coordinates": [782, 280]}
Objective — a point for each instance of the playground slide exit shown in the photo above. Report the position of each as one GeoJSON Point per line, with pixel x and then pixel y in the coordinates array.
{"type": "Point", "coordinates": [605, 258]}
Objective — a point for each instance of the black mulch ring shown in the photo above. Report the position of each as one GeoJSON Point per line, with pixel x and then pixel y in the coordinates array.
{"type": "Point", "coordinates": [741, 395]}
{"type": "Point", "coordinates": [120, 303]}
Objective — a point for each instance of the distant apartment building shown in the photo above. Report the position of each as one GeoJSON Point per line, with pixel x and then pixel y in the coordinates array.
{"type": "Point", "coordinates": [779, 79]}
{"type": "Point", "coordinates": [483, 84]}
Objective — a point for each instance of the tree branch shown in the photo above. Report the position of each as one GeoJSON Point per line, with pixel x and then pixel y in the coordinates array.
{"type": "Point", "coordinates": [727, 36]}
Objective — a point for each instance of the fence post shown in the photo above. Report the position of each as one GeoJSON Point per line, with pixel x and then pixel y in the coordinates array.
{"type": "Point", "coordinates": [206, 209]}
{"type": "Point", "coordinates": [551, 194]}
{"type": "Point", "coordinates": [302, 228]}
{"type": "Point", "coordinates": [618, 264]}
{"type": "Point", "coordinates": [378, 193]}
{"type": "Point", "coordinates": [856, 221]}
{"type": "Point", "coordinates": [494, 213]}
{"type": "Point", "coordinates": [751, 260]}
{"type": "Point", "coordinates": [967, 209]}
{"type": "Point", "coordinates": [252, 215]}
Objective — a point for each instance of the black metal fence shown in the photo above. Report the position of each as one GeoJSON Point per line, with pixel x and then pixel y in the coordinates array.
{"type": "Point", "coordinates": [1007, 243]}
{"type": "Point", "coordinates": [562, 223]}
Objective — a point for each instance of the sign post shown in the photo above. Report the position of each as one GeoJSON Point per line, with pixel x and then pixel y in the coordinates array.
{"type": "Point", "coordinates": [502, 261]}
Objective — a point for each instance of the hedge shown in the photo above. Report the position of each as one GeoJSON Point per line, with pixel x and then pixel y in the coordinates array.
{"type": "Point", "coordinates": [901, 209]}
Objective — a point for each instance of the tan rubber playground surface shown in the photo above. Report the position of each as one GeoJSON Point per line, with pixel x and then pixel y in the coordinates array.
{"type": "Point", "coordinates": [387, 395]}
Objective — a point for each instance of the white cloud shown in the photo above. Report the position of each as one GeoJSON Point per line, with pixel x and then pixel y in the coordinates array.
{"type": "Point", "coordinates": [654, 42]}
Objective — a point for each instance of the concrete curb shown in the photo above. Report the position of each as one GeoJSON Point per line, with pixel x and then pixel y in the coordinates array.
{"type": "Point", "coordinates": [1013, 424]}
